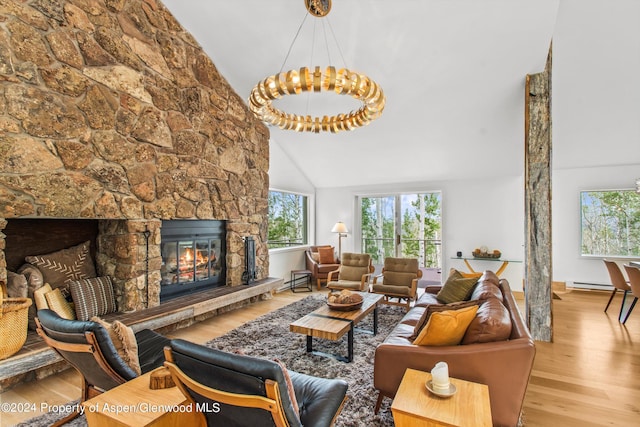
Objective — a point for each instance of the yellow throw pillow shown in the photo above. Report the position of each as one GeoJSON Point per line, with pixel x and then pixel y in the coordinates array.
{"type": "Point", "coordinates": [39, 296]}
{"type": "Point", "coordinates": [57, 303]}
{"type": "Point", "coordinates": [446, 327]}
{"type": "Point", "coordinates": [124, 340]}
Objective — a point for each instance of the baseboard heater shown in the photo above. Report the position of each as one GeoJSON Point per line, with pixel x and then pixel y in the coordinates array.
{"type": "Point", "coordinates": [587, 285]}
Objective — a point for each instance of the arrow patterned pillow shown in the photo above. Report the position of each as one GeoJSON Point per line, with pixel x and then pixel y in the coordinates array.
{"type": "Point", "coordinates": [64, 266]}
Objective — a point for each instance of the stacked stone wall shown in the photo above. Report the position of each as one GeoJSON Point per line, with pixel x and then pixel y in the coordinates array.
{"type": "Point", "coordinates": [109, 109]}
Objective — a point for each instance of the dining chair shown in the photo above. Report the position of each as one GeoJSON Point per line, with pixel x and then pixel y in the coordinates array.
{"type": "Point", "coordinates": [618, 281]}
{"type": "Point", "coordinates": [634, 279]}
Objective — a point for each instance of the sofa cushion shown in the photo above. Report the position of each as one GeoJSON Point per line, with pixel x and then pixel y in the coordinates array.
{"type": "Point", "coordinates": [486, 289]}
{"type": "Point", "coordinates": [490, 276]}
{"type": "Point", "coordinates": [426, 299]}
{"type": "Point", "coordinates": [327, 255]}
{"type": "Point", "coordinates": [413, 316]}
{"type": "Point", "coordinates": [446, 327]}
{"type": "Point", "coordinates": [456, 288]}
{"type": "Point", "coordinates": [61, 267]}
{"type": "Point", "coordinates": [492, 323]}
{"type": "Point", "coordinates": [437, 308]}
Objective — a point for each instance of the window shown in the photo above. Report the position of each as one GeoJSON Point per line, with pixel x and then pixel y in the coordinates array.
{"type": "Point", "coordinates": [402, 225]}
{"type": "Point", "coordinates": [610, 223]}
{"type": "Point", "coordinates": [288, 219]}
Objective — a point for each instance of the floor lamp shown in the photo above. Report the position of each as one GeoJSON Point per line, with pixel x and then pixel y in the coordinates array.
{"type": "Point", "coordinates": [342, 231]}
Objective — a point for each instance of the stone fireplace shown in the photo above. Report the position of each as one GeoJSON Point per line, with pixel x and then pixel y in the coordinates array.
{"type": "Point", "coordinates": [110, 111]}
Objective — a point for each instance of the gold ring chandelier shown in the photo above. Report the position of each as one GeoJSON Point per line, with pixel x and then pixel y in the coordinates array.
{"type": "Point", "coordinates": [341, 82]}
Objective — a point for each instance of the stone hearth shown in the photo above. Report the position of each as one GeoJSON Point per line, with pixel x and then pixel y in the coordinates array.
{"type": "Point", "coordinates": [110, 110]}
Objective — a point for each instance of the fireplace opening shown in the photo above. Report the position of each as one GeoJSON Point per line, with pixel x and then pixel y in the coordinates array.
{"type": "Point", "coordinates": [193, 256]}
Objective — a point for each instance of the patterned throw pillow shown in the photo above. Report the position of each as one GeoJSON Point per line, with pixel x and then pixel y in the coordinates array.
{"type": "Point", "coordinates": [93, 297]}
{"type": "Point", "coordinates": [61, 267]}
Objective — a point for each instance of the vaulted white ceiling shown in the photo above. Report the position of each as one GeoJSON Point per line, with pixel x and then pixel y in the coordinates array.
{"type": "Point", "coordinates": [453, 72]}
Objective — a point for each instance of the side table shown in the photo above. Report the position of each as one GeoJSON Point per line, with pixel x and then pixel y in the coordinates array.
{"type": "Point", "coordinates": [134, 404]}
{"type": "Point", "coordinates": [298, 276]}
{"type": "Point", "coordinates": [415, 405]}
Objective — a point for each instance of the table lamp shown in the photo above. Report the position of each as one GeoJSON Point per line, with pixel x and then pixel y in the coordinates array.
{"type": "Point", "coordinates": [342, 231]}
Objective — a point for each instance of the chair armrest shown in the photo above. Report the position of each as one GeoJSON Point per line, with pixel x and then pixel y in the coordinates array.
{"type": "Point", "coordinates": [332, 273]}
{"type": "Point", "coordinates": [364, 281]}
{"type": "Point", "coordinates": [320, 399]}
{"type": "Point", "coordinates": [311, 264]}
{"type": "Point", "coordinates": [375, 278]}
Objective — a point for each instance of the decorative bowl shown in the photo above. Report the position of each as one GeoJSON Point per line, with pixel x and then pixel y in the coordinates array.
{"type": "Point", "coordinates": [494, 254]}
{"type": "Point", "coordinates": [348, 306]}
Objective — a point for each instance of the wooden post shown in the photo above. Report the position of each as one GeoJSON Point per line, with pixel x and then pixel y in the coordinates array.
{"type": "Point", "coordinates": [538, 267]}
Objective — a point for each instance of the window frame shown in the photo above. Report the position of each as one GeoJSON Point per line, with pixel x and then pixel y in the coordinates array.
{"type": "Point", "coordinates": [308, 220]}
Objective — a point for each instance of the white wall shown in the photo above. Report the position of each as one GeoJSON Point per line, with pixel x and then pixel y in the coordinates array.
{"type": "Point", "coordinates": [596, 119]}
{"type": "Point", "coordinates": [286, 176]}
{"type": "Point", "coordinates": [481, 212]}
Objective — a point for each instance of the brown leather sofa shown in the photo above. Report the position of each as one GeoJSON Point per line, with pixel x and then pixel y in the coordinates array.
{"type": "Point", "coordinates": [504, 365]}
{"type": "Point", "coordinates": [319, 271]}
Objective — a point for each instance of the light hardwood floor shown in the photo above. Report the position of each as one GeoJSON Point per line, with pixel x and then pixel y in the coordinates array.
{"type": "Point", "coordinates": [589, 375]}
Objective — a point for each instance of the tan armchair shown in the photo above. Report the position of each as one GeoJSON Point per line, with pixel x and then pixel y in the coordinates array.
{"type": "Point", "coordinates": [354, 273]}
{"type": "Point", "coordinates": [399, 281]}
{"type": "Point", "coordinates": [320, 270]}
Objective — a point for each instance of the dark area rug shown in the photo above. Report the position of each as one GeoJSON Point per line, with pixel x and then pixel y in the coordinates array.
{"type": "Point", "coordinates": [268, 337]}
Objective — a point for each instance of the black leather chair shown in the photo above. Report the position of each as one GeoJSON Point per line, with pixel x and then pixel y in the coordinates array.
{"type": "Point", "coordinates": [240, 390]}
{"type": "Point", "coordinates": [88, 348]}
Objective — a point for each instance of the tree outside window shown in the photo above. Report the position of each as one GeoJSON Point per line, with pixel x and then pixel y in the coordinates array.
{"type": "Point", "coordinates": [610, 223]}
{"type": "Point", "coordinates": [288, 219]}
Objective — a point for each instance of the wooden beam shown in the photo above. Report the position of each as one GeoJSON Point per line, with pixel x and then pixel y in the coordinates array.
{"type": "Point", "coordinates": [538, 252]}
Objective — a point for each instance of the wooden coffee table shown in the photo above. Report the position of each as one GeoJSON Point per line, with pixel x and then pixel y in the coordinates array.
{"type": "Point", "coordinates": [332, 324]}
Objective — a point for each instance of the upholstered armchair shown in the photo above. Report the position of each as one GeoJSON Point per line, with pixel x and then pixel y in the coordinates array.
{"type": "Point", "coordinates": [248, 391]}
{"type": "Point", "coordinates": [89, 348]}
{"type": "Point", "coordinates": [321, 260]}
{"type": "Point", "coordinates": [353, 274]}
{"type": "Point", "coordinates": [398, 281]}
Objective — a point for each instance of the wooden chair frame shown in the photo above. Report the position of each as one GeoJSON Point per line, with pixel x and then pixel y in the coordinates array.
{"type": "Point", "coordinates": [272, 402]}
{"type": "Point", "coordinates": [92, 347]}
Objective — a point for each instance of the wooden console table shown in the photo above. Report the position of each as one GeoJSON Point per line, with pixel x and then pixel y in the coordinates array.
{"type": "Point", "coordinates": [414, 405]}
{"type": "Point", "coordinates": [134, 404]}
